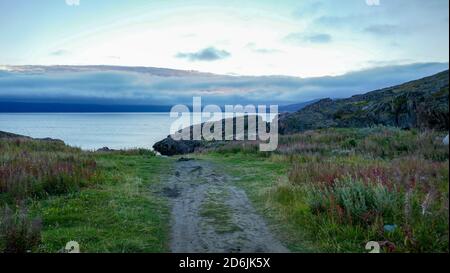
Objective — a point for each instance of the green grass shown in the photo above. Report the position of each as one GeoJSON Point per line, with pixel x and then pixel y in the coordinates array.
{"type": "Point", "coordinates": [122, 213]}
{"type": "Point", "coordinates": [51, 194]}
{"type": "Point", "coordinates": [334, 190]}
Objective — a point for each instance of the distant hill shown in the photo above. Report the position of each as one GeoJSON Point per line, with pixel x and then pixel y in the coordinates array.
{"type": "Point", "coordinates": [417, 104]}
{"type": "Point", "coordinates": [41, 107]}
{"type": "Point", "coordinates": [295, 107]}
{"type": "Point", "coordinates": [25, 107]}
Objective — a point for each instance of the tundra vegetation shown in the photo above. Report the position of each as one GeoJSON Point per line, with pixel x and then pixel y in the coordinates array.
{"type": "Point", "coordinates": [51, 194]}
{"type": "Point", "coordinates": [330, 190]}
{"type": "Point", "coordinates": [334, 190]}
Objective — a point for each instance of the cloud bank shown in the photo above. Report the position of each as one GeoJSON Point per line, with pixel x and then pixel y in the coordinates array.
{"type": "Point", "coordinates": [125, 85]}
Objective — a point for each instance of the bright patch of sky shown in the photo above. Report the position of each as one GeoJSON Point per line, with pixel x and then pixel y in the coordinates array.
{"type": "Point", "coordinates": [302, 38]}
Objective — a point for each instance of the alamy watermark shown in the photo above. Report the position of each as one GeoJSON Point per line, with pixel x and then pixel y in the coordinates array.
{"type": "Point", "coordinates": [237, 123]}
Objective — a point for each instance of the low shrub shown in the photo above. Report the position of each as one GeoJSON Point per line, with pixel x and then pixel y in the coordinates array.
{"type": "Point", "coordinates": [29, 169]}
{"type": "Point", "coordinates": [388, 177]}
{"type": "Point", "coordinates": [355, 201]}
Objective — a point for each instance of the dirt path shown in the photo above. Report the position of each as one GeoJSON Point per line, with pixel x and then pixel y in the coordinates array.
{"type": "Point", "coordinates": [211, 215]}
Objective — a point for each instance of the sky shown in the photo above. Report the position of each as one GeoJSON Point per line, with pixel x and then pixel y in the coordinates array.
{"type": "Point", "coordinates": [301, 38]}
{"type": "Point", "coordinates": [265, 51]}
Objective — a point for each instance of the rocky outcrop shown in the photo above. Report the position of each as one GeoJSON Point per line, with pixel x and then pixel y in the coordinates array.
{"type": "Point", "coordinates": [170, 147]}
{"type": "Point", "coordinates": [106, 150]}
{"type": "Point", "coordinates": [419, 104]}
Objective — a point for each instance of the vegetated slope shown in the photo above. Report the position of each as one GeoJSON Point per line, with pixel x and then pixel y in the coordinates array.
{"type": "Point", "coordinates": [7, 135]}
{"type": "Point", "coordinates": [419, 104]}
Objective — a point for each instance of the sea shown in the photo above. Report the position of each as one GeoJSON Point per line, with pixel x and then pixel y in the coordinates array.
{"type": "Point", "coordinates": [92, 131]}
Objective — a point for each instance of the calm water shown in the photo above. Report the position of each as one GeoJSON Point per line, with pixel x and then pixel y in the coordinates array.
{"type": "Point", "coordinates": [92, 131]}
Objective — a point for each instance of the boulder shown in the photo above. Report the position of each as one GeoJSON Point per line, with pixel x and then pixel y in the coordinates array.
{"type": "Point", "coordinates": [105, 149]}
{"type": "Point", "coordinates": [170, 147]}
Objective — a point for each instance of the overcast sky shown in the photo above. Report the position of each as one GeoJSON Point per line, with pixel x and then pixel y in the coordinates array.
{"type": "Point", "coordinates": [301, 38]}
{"type": "Point", "coordinates": [118, 85]}
{"type": "Point", "coordinates": [316, 49]}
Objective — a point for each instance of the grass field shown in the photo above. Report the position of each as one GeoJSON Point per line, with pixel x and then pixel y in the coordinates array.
{"type": "Point", "coordinates": [121, 214]}
{"type": "Point", "coordinates": [116, 208]}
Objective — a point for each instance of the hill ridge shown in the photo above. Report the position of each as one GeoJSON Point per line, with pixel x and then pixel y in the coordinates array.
{"type": "Point", "coordinates": [421, 103]}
